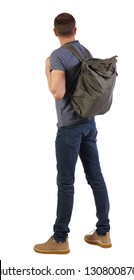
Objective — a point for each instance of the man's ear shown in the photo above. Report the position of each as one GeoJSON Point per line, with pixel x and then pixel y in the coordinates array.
{"type": "Point", "coordinates": [75, 29]}
{"type": "Point", "coordinates": [55, 32]}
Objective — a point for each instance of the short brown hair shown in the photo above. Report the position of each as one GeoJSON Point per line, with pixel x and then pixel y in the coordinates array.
{"type": "Point", "coordinates": [64, 24]}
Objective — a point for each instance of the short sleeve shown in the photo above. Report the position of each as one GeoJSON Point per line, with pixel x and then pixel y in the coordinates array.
{"type": "Point", "coordinates": [56, 61]}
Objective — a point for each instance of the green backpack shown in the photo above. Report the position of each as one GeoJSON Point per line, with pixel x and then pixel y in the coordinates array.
{"type": "Point", "coordinates": [93, 94]}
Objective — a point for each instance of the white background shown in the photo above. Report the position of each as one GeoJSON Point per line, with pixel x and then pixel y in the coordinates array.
{"type": "Point", "coordinates": [28, 129]}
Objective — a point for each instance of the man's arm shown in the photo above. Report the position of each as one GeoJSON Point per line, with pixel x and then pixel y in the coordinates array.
{"type": "Point", "coordinates": [56, 81]}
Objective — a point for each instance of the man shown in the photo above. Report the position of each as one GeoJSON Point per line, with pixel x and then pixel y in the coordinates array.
{"type": "Point", "coordinates": [76, 136]}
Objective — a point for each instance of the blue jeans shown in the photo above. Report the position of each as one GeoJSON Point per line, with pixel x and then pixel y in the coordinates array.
{"type": "Point", "coordinates": [71, 142]}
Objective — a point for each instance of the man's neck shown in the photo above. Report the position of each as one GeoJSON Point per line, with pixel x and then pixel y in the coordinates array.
{"type": "Point", "coordinates": [64, 40]}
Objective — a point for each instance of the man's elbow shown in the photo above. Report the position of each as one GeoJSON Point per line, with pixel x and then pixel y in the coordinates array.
{"type": "Point", "coordinates": [58, 95]}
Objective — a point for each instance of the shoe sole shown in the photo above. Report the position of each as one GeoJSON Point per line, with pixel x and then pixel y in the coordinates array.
{"type": "Point", "coordinates": [67, 251]}
{"type": "Point", "coordinates": [98, 243]}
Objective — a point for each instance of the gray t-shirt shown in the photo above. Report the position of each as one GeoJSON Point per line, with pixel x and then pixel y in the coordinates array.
{"type": "Point", "coordinates": [63, 59]}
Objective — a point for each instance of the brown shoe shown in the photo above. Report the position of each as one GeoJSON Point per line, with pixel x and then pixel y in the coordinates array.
{"type": "Point", "coordinates": [95, 239]}
{"type": "Point", "coordinates": [52, 247]}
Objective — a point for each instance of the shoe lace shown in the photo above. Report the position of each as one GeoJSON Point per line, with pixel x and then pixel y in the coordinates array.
{"type": "Point", "coordinates": [92, 231]}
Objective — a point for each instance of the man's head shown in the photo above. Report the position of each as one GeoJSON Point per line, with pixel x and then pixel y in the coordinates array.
{"type": "Point", "coordinates": [64, 25]}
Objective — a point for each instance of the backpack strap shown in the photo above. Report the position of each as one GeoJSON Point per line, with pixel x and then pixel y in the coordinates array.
{"type": "Point", "coordinates": [76, 52]}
